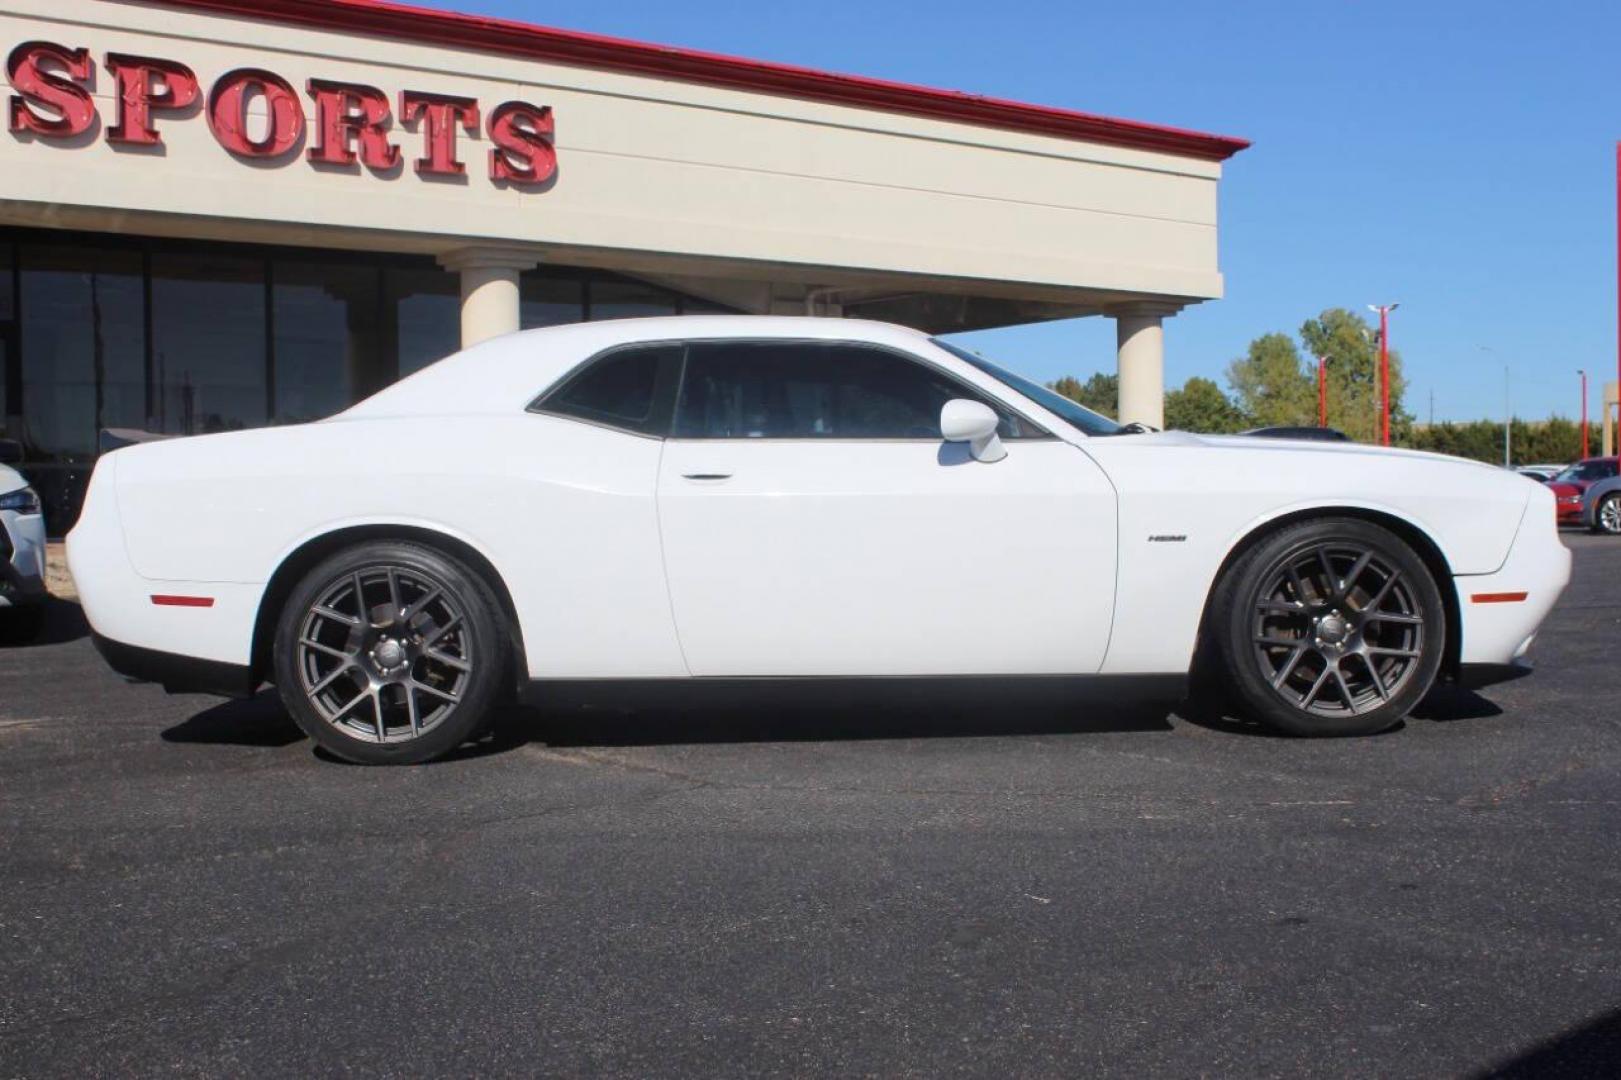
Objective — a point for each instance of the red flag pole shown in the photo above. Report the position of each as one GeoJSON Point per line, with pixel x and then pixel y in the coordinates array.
{"type": "Point", "coordinates": [1384, 365]}
{"type": "Point", "coordinates": [1322, 391]}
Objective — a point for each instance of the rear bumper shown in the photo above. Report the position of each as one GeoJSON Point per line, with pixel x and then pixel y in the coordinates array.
{"type": "Point", "coordinates": [176, 674]}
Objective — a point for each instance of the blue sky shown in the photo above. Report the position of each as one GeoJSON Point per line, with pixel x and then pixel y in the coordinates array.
{"type": "Point", "coordinates": [1456, 157]}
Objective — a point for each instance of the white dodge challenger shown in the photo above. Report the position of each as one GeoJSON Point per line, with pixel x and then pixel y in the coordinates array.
{"type": "Point", "coordinates": [699, 501]}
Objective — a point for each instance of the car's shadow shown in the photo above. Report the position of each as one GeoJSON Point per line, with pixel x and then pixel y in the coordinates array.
{"type": "Point", "coordinates": [256, 721]}
{"type": "Point", "coordinates": [61, 621]}
{"type": "Point", "coordinates": [261, 721]}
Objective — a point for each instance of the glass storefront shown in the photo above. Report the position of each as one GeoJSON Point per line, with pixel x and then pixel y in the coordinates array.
{"type": "Point", "coordinates": [103, 332]}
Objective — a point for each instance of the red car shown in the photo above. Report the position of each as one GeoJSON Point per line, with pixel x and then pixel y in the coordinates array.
{"type": "Point", "coordinates": [1569, 485]}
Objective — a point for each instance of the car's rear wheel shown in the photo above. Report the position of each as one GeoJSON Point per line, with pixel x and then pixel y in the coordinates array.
{"type": "Point", "coordinates": [1607, 515]}
{"type": "Point", "coordinates": [1330, 627]}
{"type": "Point", "coordinates": [390, 653]}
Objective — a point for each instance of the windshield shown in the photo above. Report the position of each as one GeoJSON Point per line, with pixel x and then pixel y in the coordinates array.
{"type": "Point", "coordinates": [1077, 415]}
{"type": "Point", "coordinates": [1588, 471]}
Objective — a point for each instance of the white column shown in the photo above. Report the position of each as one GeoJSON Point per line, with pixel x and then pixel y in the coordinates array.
{"type": "Point", "coordinates": [489, 278]}
{"type": "Point", "coordinates": [1140, 338]}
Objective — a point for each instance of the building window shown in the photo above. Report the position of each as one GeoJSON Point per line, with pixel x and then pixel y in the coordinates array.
{"type": "Point", "coordinates": [82, 338]}
{"type": "Point", "coordinates": [611, 299]}
{"type": "Point", "coordinates": [209, 338]}
{"type": "Point", "coordinates": [547, 298]}
{"type": "Point", "coordinates": [185, 338]}
{"type": "Point", "coordinates": [326, 347]}
{"type": "Point", "coordinates": [8, 332]}
{"type": "Point", "coordinates": [427, 315]}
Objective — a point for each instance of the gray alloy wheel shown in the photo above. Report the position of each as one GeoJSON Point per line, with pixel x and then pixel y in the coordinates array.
{"type": "Point", "coordinates": [1332, 627]}
{"type": "Point", "coordinates": [1336, 630]}
{"type": "Point", "coordinates": [390, 652]}
{"type": "Point", "coordinates": [1607, 515]}
{"type": "Point", "coordinates": [383, 653]}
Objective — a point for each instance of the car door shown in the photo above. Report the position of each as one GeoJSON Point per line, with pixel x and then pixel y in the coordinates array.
{"type": "Point", "coordinates": [814, 523]}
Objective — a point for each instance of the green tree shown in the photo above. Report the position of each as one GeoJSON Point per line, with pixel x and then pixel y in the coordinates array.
{"type": "Point", "coordinates": [1100, 393]}
{"type": "Point", "coordinates": [1553, 440]}
{"type": "Point", "coordinates": [1270, 386]}
{"type": "Point", "coordinates": [1352, 347]}
{"type": "Point", "coordinates": [1201, 406]}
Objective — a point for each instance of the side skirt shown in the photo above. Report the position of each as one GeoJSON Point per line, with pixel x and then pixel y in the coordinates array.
{"type": "Point", "coordinates": [1079, 691]}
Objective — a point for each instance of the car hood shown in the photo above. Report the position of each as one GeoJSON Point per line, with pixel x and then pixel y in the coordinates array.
{"type": "Point", "coordinates": [1568, 487]}
{"type": "Point", "coordinates": [10, 480]}
{"type": "Point", "coordinates": [1273, 444]}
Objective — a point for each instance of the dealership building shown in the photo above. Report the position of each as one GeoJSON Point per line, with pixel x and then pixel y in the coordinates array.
{"type": "Point", "coordinates": [218, 214]}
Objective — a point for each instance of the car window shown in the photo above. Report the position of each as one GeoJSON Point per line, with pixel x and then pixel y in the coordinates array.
{"type": "Point", "coordinates": [816, 390]}
{"type": "Point", "coordinates": [1588, 471]}
{"type": "Point", "coordinates": [627, 388]}
{"type": "Point", "coordinates": [1073, 412]}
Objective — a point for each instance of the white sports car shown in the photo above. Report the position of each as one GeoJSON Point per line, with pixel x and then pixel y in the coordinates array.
{"type": "Point", "coordinates": [668, 503]}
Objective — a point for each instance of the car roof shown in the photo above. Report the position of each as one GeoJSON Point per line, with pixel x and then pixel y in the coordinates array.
{"type": "Point", "coordinates": [492, 375]}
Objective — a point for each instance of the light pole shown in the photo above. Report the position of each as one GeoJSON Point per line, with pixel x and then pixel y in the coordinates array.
{"type": "Point", "coordinates": [1322, 391]}
{"type": "Point", "coordinates": [1583, 374]}
{"type": "Point", "coordinates": [1384, 311]}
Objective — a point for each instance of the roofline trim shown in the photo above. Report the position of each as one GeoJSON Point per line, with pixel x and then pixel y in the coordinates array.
{"type": "Point", "coordinates": [510, 38]}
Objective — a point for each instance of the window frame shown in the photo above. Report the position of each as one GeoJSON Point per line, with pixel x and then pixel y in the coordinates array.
{"type": "Point", "coordinates": [666, 389]}
{"type": "Point", "coordinates": [665, 410]}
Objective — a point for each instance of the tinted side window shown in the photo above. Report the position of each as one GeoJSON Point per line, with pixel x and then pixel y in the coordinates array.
{"type": "Point", "coordinates": [628, 388]}
{"type": "Point", "coordinates": [807, 390]}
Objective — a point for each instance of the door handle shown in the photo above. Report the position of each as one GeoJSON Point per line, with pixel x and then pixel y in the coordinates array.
{"type": "Point", "coordinates": [706, 477]}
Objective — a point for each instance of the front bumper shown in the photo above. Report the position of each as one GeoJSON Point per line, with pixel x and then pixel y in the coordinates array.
{"type": "Point", "coordinates": [1501, 612]}
{"type": "Point", "coordinates": [22, 559]}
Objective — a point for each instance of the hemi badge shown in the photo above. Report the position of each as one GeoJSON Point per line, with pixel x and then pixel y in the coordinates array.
{"type": "Point", "coordinates": [182, 601]}
{"type": "Point", "coordinates": [1498, 597]}
{"type": "Point", "coordinates": [1167, 538]}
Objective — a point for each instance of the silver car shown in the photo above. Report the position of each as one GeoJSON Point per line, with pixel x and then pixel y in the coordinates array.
{"type": "Point", "coordinates": [22, 554]}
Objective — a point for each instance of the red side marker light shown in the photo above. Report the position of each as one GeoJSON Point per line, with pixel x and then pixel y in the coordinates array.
{"type": "Point", "coordinates": [1498, 597]}
{"type": "Point", "coordinates": [163, 600]}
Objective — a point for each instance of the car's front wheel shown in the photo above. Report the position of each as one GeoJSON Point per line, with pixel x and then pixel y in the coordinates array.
{"type": "Point", "coordinates": [1607, 515]}
{"type": "Point", "coordinates": [390, 653]}
{"type": "Point", "coordinates": [1330, 627]}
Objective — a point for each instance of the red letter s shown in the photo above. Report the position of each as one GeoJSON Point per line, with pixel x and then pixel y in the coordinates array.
{"type": "Point", "coordinates": [38, 88]}
{"type": "Point", "coordinates": [524, 152]}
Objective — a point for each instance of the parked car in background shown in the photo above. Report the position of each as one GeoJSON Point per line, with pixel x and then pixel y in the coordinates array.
{"type": "Point", "coordinates": [1317, 434]}
{"type": "Point", "coordinates": [22, 552]}
{"type": "Point", "coordinates": [1601, 505]}
{"type": "Point", "coordinates": [1540, 473]}
{"type": "Point", "coordinates": [1572, 483]}
{"type": "Point", "coordinates": [721, 500]}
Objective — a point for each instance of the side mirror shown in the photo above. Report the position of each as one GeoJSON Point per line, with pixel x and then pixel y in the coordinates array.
{"type": "Point", "coordinates": [11, 451]}
{"type": "Point", "coordinates": [974, 423]}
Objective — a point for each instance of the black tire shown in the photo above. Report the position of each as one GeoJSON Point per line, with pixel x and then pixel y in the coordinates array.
{"type": "Point", "coordinates": [1608, 507]}
{"type": "Point", "coordinates": [1286, 633]}
{"type": "Point", "coordinates": [22, 625]}
{"type": "Point", "coordinates": [450, 658]}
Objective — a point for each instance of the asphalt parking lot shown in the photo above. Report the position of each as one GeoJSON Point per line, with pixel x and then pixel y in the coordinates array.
{"type": "Point", "coordinates": [186, 887]}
